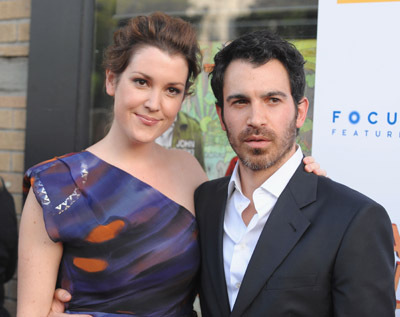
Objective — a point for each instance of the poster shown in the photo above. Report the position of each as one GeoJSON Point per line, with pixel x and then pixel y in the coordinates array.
{"type": "Point", "coordinates": [356, 131]}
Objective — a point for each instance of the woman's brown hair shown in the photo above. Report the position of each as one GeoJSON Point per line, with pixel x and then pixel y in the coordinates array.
{"type": "Point", "coordinates": [169, 34]}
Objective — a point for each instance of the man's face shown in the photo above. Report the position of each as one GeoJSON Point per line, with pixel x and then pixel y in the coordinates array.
{"type": "Point", "coordinates": [259, 114]}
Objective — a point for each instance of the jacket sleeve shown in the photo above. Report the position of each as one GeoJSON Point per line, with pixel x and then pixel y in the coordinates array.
{"type": "Point", "coordinates": [363, 274]}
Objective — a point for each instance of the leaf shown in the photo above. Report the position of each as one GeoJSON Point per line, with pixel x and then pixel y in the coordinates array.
{"type": "Point", "coordinates": [204, 123]}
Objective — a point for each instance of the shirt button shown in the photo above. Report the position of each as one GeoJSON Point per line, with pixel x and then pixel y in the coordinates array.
{"type": "Point", "coordinates": [237, 285]}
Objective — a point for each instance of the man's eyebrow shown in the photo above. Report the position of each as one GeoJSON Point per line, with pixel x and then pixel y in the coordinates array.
{"type": "Point", "coordinates": [236, 96]}
{"type": "Point", "coordinates": [265, 95]}
{"type": "Point", "coordinates": [274, 93]}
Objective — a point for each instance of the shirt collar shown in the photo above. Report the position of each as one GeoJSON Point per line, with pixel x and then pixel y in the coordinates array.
{"type": "Point", "coordinates": [278, 181]}
{"type": "Point", "coordinates": [274, 184]}
{"type": "Point", "coordinates": [234, 182]}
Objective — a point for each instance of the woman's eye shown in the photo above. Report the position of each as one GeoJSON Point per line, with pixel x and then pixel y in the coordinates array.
{"type": "Point", "coordinates": [140, 81]}
{"type": "Point", "coordinates": [174, 91]}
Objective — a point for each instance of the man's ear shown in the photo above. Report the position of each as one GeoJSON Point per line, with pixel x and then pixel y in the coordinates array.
{"type": "Point", "coordinates": [111, 82]}
{"type": "Point", "coordinates": [221, 120]}
{"type": "Point", "coordinates": [302, 109]}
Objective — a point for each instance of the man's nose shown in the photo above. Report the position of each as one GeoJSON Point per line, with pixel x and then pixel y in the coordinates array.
{"type": "Point", "coordinates": [257, 115]}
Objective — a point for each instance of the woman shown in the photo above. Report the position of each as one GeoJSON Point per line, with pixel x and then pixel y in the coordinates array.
{"type": "Point", "coordinates": [114, 224]}
{"type": "Point", "coordinates": [119, 217]}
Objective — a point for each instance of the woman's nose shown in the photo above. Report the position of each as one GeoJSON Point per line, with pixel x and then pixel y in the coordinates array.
{"type": "Point", "coordinates": [153, 101]}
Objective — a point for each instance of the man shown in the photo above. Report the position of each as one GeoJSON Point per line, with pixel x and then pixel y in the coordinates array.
{"type": "Point", "coordinates": [275, 240]}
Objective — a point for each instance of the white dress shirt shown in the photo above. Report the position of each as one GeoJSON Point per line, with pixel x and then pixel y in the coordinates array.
{"type": "Point", "coordinates": [240, 240]}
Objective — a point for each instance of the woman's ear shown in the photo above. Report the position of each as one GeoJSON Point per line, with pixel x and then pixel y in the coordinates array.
{"type": "Point", "coordinates": [111, 82]}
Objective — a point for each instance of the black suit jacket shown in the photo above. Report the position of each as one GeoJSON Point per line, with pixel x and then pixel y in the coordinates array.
{"type": "Point", "coordinates": [326, 250]}
{"type": "Point", "coordinates": [8, 241]}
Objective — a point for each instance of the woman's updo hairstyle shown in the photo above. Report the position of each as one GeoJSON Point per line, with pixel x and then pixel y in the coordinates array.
{"type": "Point", "coordinates": [169, 34]}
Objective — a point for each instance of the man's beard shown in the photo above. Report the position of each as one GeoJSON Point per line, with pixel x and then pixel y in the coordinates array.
{"type": "Point", "coordinates": [258, 159]}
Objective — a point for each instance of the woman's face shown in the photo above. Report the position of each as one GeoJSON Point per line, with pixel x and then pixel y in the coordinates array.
{"type": "Point", "coordinates": [148, 94]}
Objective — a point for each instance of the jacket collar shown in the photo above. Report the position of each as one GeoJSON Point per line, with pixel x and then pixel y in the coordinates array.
{"type": "Point", "coordinates": [285, 226]}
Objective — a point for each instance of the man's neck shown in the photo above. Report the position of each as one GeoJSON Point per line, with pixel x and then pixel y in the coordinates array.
{"type": "Point", "coordinates": [250, 179]}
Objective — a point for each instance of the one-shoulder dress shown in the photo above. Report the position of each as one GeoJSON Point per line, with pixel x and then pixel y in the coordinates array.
{"type": "Point", "coordinates": [128, 249]}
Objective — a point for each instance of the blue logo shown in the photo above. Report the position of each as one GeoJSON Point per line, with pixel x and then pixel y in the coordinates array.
{"type": "Point", "coordinates": [366, 124]}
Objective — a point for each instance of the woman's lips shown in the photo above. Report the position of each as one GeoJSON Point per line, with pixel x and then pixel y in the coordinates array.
{"type": "Point", "coordinates": [150, 121]}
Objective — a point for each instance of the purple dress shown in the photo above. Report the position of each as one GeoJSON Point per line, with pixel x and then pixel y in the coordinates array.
{"type": "Point", "coordinates": [128, 249]}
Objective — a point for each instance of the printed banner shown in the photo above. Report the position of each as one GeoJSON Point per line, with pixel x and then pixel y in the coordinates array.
{"type": "Point", "coordinates": [360, 1]}
{"type": "Point", "coordinates": [356, 131]}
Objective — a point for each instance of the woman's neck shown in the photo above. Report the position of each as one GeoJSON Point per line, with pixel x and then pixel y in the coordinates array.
{"type": "Point", "coordinates": [123, 153]}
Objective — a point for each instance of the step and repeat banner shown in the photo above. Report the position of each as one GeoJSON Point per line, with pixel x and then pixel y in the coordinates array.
{"type": "Point", "coordinates": [356, 131]}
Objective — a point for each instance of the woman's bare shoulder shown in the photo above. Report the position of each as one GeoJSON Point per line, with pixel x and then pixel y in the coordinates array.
{"type": "Point", "coordinates": [186, 164]}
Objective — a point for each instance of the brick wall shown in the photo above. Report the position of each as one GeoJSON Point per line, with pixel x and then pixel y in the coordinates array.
{"type": "Point", "coordinates": [14, 50]}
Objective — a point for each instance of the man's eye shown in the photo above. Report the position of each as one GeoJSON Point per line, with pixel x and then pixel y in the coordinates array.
{"type": "Point", "coordinates": [274, 100]}
{"type": "Point", "coordinates": [239, 102]}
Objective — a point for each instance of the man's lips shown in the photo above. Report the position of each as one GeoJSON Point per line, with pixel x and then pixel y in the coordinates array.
{"type": "Point", "coordinates": [147, 120]}
{"type": "Point", "coordinates": [257, 141]}
{"type": "Point", "coordinates": [255, 138]}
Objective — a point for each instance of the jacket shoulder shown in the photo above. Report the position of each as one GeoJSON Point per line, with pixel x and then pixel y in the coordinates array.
{"type": "Point", "coordinates": [333, 189]}
{"type": "Point", "coordinates": [320, 197]}
{"type": "Point", "coordinates": [212, 185]}
{"type": "Point", "coordinates": [336, 201]}
{"type": "Point", "coordinates": [210, 196]}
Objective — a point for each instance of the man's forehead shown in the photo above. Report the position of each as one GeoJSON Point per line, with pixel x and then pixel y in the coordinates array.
{"type": "Point", "coordinates": [242, 75]}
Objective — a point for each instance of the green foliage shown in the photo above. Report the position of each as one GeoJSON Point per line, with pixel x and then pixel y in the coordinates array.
{"type": "Point", "coordinates": [307, 126]}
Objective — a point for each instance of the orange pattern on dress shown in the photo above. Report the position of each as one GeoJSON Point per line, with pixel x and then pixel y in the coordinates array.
{"type": "Point", "coordinates": [105, 233]}
{"type": "Point", "coordinates": [397, 250]}
{"type": "Point", "coordinates": [90, 265]}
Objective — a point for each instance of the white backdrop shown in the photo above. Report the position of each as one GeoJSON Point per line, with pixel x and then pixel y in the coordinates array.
{"type": "Point", "coordinates": [356, 131]}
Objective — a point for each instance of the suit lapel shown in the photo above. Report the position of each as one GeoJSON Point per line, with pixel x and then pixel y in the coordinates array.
{"type": "Point", "coordinates": [213, 251]}
{"type": "Point", "coordinates": [282, 231]}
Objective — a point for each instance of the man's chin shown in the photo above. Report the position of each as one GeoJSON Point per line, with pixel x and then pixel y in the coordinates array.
{"type": "Point", "coordinates": [256, 164]}
{"type": "Point", "coordinates": [258, 151]}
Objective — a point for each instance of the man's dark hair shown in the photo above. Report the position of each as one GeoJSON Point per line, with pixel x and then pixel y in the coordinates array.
{"type": "Point", "coordinates": [258, 48]}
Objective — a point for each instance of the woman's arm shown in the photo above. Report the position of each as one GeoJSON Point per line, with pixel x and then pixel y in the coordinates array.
{"type": "Point", "coordinates": [38, 262]}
